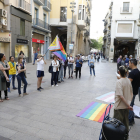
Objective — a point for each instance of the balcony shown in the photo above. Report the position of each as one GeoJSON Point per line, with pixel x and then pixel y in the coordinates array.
{"type": "Point", "coordinates": [41, 25]}
{"type": "Point", "coordinates": [126, 10]}
{"type": "Point", "coordinates": [24, 6]}
{"type": "Point", "coordinates": [87, 21]}
{"type": "Point", "coordinates": [40, 2]}
{"type": "Point", "coordinates": [109, 25]}
{"type": "Point", "coordinates": [110, 16]}
{"type": "Point", "coordinates": [110, 7]}
{"type": "Point", "coordinates": [104, 38]}
{"type": "Point", "coordinates": [81, 24]}
{"type": "Point", "coordinates": [105, 30]}
{"type": "Point", "coordinates": [47, 6]}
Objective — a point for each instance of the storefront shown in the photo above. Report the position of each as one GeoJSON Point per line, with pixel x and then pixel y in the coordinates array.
{"type": "Point", "coordinates": [5, 44]}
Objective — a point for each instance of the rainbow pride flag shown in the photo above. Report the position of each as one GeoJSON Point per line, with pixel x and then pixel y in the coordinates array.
{"type": "Point", "coordinates": [108, 97]}
{"type": "Point", "coordinates": [94, 111]}
{"type": "Point", "coordinates": [60, 55]}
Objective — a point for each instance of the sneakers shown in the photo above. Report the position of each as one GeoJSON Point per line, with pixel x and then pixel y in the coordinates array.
{"type": "Point", "coordinates": [25, 94]}
{"type": "Point", "coordinates": [20, 95]}
{"type": "Point", "coordinates": [39, 89]}
{"type": "Point", "coordinates": [52, 85]}
{"type": "Point", "coordinates": [56, 85]}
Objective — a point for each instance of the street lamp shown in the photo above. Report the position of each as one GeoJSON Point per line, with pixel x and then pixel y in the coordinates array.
{"type": "Point", "coordinates": [72, 10]}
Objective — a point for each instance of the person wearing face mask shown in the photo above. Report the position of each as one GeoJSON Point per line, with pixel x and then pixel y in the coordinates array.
{"type": "Point", "coordinates": [70, 65]}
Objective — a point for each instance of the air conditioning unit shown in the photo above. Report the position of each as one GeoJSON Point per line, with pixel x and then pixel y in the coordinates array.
{"type": "Point", "coordinates": [4, 21]}
{"type": "Point", "coordinates": [3, 13]}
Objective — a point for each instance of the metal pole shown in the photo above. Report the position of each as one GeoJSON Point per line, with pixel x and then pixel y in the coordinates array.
{"type": "Point", "coordinates": [71, 26]}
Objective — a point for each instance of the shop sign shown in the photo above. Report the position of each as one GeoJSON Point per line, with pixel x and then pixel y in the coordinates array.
{"type": "Point", "coordinates": [22, 41]}
{"type": "Point", "coordinates": [4, 39]}
{"type": "Point", "coordinates": [38, 41]}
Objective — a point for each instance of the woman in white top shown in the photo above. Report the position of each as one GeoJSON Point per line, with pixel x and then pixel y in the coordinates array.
{"type": "Point", "coordinates": [92, 66]}
{"type": "Point", "coordinates": [40, 71]}
{"type": "Point", "coordinates": [55, 64]}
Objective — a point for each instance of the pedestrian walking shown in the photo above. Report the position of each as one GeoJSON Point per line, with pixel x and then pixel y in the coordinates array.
{"type": "Point", "coordinates": [70, 65]}
{"type": "Point", "coordinates": [35, 56]}
{"type": "Point", "coordinates": [78, 63]}
{"type": "Point", "coordinates": [92, 65]}
{"type": "Point", "coordinates": [123, 97]}
{"type": "Point", "coordinates": [21, 68]}
{"type": "Point", "coordinates": [65, 67]}
{"type": "Point", "coordinates": [123, 61]}
{"type": "Point", "coordinates": [40, 71]}
{"type": "Point", "coordinates": [3, 76]}
{"type": "Point", "coordinates": [12, 71]}
{"type": "Point", "coordinates": [55, 65]}
{"type": "Point", "coordinates": [61, 69]}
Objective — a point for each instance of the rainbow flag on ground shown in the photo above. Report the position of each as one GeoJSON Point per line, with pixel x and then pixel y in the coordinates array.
{"type": "Point", "coordinates": [60, 55]}
{"type": "Point", "coordinates": [94, 111]}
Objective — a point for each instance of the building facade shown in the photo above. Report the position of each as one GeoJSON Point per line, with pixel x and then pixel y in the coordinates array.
{"type": "Point", "coordinates": [62, 25]}
{"type": "Point", "coordinates": [15, 28]}
{"type": "Point", "coordinates": [41, 31]}
{"type": "Point", "coordinates": [121, 30]}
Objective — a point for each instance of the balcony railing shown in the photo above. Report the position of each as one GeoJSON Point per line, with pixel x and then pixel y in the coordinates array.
{"type": "Point", "coordinates": [47, 6]}
{"type": "Point", "coordinates": [24, 5]}
{"type": "Point", "coordinates": [126, 10]}
{"type": "Point", "coordinates": [109, 25]}
{"type": "Point", "coordinates": [104, 38]}
{"type": "Point", "coordinates": [105, 23]}
{"type": "Point", "coordinates": [40, 23]}
{"type": "Point", "coordinates": [105, 30]}
{"type": "Point", "coordinates": [40, 2]}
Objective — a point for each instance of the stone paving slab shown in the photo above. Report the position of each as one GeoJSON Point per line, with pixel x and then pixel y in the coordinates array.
{"type": "Point", "coordinates": [51, 113]}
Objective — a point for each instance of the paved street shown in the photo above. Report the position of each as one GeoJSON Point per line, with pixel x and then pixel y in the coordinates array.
{"type": "Point", "coordinates": [51, 114]}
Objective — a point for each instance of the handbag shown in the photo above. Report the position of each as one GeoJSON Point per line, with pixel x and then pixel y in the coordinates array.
{"type": "Point", "coordinates": [3, 79]}
{"type": "Point", "coordinates": [50, 69]}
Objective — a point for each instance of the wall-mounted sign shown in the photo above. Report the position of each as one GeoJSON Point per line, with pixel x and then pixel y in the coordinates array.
{"type": "Point", "coordinates": [71, 46]}
{"type": "Point", "coordinates": [38, 41]}
{"type": "Point", "coordinates": [22, 41]}
{"type": "Point", "coordinates": [4, 39]}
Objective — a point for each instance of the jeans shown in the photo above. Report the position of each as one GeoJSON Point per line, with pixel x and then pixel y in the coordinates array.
{"type": "Point", "coordinates": [70, 66]}
{"type": "Point", "coordinates": [13, 79]}
{"type": "Point", "coordinates": [91, 71]}
{"type": "Point", "coordinates": [23, 79]}
{"type": "Point", "coordinates": [54, 77]}
{"type": "Point", "coordinates": [133, 100]}
{"type": "Point", "coordinates": [65, 68]}
{"type": "Point", "coordinates": [78, 69]}
{"type": "Point", "coordinates": [60, 76]}
{"type": "Point", "coordinates": [34, 60]}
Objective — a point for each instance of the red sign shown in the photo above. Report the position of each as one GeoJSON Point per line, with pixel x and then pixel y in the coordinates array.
{"type": "Point", "coordinates": [38, 41]}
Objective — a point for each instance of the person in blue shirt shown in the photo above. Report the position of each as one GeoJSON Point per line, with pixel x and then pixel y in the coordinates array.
{"type": "Point", "coordinates": [35, 56]}
{"type": "Point", "coordinates": [126, 60]}
{"type": "Point", "coordinates": [78, 63]}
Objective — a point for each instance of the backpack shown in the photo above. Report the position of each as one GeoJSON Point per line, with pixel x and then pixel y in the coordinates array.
{"type": "Point", "coordinates": [50, 69]}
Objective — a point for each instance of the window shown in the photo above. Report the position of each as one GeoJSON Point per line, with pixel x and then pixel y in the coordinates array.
{"type": "Point", "coordinates": [44, 17]}
{"type": "Point", "coordinates": [126, 6]}
{"type": "Point", "coordinates": [124, 28]}
{"type": "Point", "coordinates": [22, 27]}
{"type": "Point", "coordinates": [81, 12]}
{"type": "Point", "coordinates": [63, 14]}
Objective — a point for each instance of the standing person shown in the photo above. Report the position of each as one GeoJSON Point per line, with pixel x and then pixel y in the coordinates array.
{"type": "Point", "coordinates": [55, 65]}
{"type": "Point", "coordinates": [3, 84]}
{"type": "Point", "coordinates": [40, 71]}
{"type": "Point", "coordinates": [35, 56]}
{"type": "Point", "coordinates": [65, 67]}
{"type": "Point", "coordinates": [134, 77]}
{"type": "Point", "coordinates": [12, 71]}
{"type": "Point", "coordinates": [126, 61]}
{"type": "Point", "coordinates": [21, 76]}
{"type": "Point", "coordinates": [92, 66]}
{"type": "Point", "coordinates": [89, 57]}
{"type": "Point", "coordinates": [123, 97]}
{"type": "Point", "coordinates": [123, 62]}
{"type": "Point", "coordinates": [70, 65]}
{"type": "Point", "coordinates": [78, 63]}
{"type": "Point", "coordinates": [119, 62]}
{"type": "Point", "coordinates": [60, 76]}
